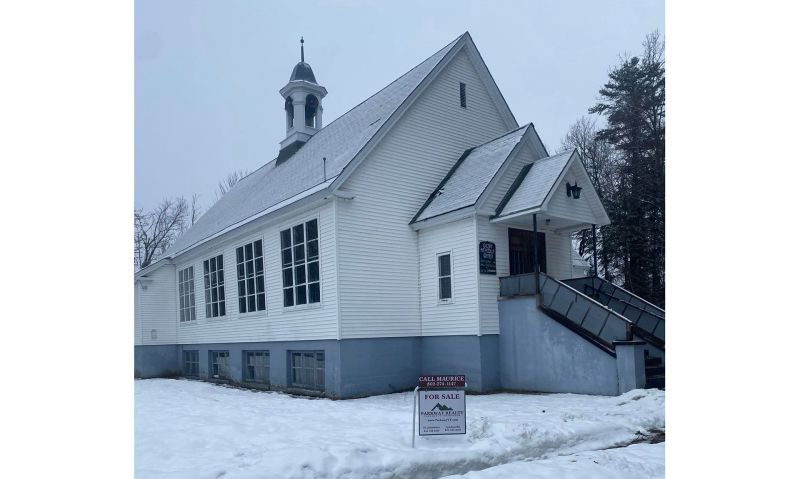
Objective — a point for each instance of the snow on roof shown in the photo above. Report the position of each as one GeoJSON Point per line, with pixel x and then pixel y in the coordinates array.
{"type": "Point", "coordinates": [339, 142]}
{"type": "Point", "coordinates": [535, 183]}
{"type": "Point", "coordinates": [470, 176]}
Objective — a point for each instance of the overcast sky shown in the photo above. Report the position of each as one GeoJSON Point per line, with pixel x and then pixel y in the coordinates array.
{"type": "Point", "coordinates": [207, 73]}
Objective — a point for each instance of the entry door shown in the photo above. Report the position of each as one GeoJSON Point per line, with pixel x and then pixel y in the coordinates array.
{"type": "Point", "coordinates": [520, 251]}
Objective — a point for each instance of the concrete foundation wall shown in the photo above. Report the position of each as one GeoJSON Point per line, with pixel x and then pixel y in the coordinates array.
{"type": "Point", "coordinates": [539, 354]}
{"type": "Point", "coordinates": [156, 361]}
{"type": "Point", "coordinates": [353, 367]}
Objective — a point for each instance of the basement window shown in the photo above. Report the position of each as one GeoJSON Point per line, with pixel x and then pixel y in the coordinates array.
{"type": "Point", "coordinates": [256, 367]}
{"type": "Point", "coordinates": [445, 277]}
{"type": "Point", "coordinates": [300, 264]}
{"type": "Point", "coordinates": [250, 277]}
{"type": "Point", "coordinates": [308, 369]}
{"type": "Point", "coordinates": [191, 363]}
{"type": "Point", "coordinates": [186, 294]}
{"type": "Point", "coordinates": [462, 93]}
{"type": "Point", "coordinates": [214, 282]}
{"type": "Point", "coordinates": [219, 364]}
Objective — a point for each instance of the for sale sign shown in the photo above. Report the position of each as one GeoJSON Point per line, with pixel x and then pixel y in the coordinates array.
{"type": "Point", "coordinates": [442, 411]}
{"type": "Point", "coordinates": [442, 381]}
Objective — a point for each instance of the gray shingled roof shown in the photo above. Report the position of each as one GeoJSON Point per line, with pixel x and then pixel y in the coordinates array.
{"type": "Point", "coordinates": [339, 142]}
{"type": "Point", "coordinates": [470, 176]}
{"type": "Point", "coordinates": [536, 183]}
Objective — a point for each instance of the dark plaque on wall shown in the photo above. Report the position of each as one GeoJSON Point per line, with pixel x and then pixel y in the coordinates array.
{"type": "Point", "coordinates": [486, 257]}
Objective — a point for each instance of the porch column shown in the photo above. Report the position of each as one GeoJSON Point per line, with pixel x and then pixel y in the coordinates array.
{"type": "Point", "coordinates": [594, 249]}
{"type": "Point", "coordinates": [535, 256]}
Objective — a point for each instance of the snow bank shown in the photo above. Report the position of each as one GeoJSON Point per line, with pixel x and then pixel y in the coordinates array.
{"type": "Point", "coordinates": [643, 461]}
{"type": "Point", "coordinates": [194, 429]}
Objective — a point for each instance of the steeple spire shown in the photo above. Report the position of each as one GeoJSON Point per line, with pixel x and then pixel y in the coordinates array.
{"type": "Point", "coordinates": [302, 53]}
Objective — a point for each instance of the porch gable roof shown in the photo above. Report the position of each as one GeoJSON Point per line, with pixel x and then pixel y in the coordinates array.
{"type": "Point", "coordinates": [536, 185]}
{"type": "Point", "coordinates": [471, 175]}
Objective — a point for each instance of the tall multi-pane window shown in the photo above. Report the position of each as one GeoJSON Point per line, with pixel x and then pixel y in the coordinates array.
{"type": "Point", "coordinates": [250, 277]}
{"type": "Point", "coordinates": [191, 363]}
{"type": "Point", "coordinates": [256, 368]}
{"type": "Point", "coordinates": [445, 278]}
{"type": "Point", "coordinates": [308, 369]}
{"type": "Point", "coordinates": [214, 282]}
{"type": "Point", "coordinates": [219, 364]}
{"type": "Point", "coordinates": [300, 264]}
{"type": "Point", "coordinates": [186, 293]}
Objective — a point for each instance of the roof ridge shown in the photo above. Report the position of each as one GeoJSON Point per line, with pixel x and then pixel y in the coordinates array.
{"type": "Point", "coordinates": [501, 136]}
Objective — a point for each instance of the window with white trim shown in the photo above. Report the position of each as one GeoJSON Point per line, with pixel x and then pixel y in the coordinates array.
{"type": "Point", "coordinates": [219, 364]}
{"type": "Point", "coordinates": [214, 282]}
{"type": "Point", "coordinates": [300, 264]}
{"type": "Point", "coordinates": [256, 367]}
{"type": "Point", "coordinates": [445, 277]}
{"type": "Point", "coordinates": [186, 294]}
{"type": "Point", "coordinates": [250, 277]}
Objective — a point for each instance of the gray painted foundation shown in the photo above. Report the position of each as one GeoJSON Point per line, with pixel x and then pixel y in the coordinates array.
{"type": "Point", "coordinates": [539, 354]}
{"type": "Point", "coordinates": [156, 361]}
{"type": "Point", "coordinates": [630, 365]}
{"type": "Point", "coordinates": [353, 367]}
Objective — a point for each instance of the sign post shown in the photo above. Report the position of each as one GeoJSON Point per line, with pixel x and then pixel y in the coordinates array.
{"type": "Point", "coordinates": [442, 406]}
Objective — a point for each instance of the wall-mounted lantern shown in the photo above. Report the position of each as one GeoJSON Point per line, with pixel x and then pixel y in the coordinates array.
{"type": "Point", "coordinates": [574, 191]}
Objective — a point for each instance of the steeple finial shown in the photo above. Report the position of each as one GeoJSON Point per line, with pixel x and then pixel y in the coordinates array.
{"type": "Point", "coordinates": [302, 53]}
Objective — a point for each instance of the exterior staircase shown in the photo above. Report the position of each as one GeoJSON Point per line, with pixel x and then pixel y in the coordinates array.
{"type": "Point", "coordinates": [601, 313]}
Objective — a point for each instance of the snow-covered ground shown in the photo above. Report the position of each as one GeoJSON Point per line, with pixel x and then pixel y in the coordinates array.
{"type": "Point", "coordinates": [192, 429]}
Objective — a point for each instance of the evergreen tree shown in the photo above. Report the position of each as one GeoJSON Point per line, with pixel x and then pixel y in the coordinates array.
{"type": "Point", "coordinates": [633, 103]}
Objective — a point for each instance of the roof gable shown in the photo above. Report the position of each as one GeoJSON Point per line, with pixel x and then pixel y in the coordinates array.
{"type": "Point", "coordinates": [471, 175]}
{"type": "Point", "coordinates": [339, 143]}
{"type": "Point", "coordinates": [536, 187]}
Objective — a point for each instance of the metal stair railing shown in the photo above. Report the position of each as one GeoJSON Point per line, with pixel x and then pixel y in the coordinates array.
{"type": "Point", "coordinates": [584, 312]}
{"type": "Point", "coordinates": [650, 320]}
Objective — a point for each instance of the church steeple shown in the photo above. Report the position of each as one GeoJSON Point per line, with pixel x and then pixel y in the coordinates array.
{"type": "Point", "coordinates": [302, 105]}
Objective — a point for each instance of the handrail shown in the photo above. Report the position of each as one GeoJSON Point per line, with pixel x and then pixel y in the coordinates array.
{"type": "Point", "coordinates": [609, 312]}
{"type": "Point", "coordinates": [592, 278]}
{"type": "Point", "coordinates": [659, 319]}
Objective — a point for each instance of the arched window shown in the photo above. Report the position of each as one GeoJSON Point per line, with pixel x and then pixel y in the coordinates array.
{"type": "Point", "coordinates": [289, 107]}
{"type": "Point", "coordinates": [311, 110]}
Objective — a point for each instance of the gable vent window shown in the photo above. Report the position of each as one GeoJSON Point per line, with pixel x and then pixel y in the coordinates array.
{"type": "Point", "coordinates": [445, 278]}
{"type": "Point", "coordinates": [186, 294]}
{"type": "Point", "coordinates": [214, 282]}
{"type": "Point", "coordinates": [300, 264]}
{"type": "Point", "coordinates": [462, 91]}
{"type": "Point", "coordinates": [250, 277]}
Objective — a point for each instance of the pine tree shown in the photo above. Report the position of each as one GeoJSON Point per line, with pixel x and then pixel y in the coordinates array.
{"type": "Point", "coordinates": [633, 103]}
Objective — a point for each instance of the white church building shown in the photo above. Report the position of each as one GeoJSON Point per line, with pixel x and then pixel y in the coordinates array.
{"type": "Point", "coordinates": [397, 240]}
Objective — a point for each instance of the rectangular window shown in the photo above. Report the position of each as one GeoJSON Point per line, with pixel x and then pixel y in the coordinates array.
{"type": "Point", "coordinates": [308, 369]}
{"type": "Point", "coordinates": [191, 363]}
{"type": "Point", "coordinates": [219, 364]}
{"type": "Point", "coordinates": [300, 264]}
{"type": "Point", "coordinates": [186, 294]}
{"type": "Point", "coordinates": [250, 277]}
{"type": "Point", "coordinates": [214, 282]}
{"type": "Point", "coordinates": [445, 278]}
{"type": "Point", "coordinates": [256, 367]}
{"type": "Point", "coordinates": [462, 92]}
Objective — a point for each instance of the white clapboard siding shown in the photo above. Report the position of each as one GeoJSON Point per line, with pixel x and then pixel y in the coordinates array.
{"type": "Point", "coordinates": [379, 253]}
{"type": "Point", "coordinates": [490, 284]}
{"type": "Point", "coordinates": [580, 209]}
{"type": "Point", "coordinates": [460, 316]}
{"type": "Point", "coordinates": [155, 315]}
{"type": "Point", "coordinates": [559, 260]}
{"type": "Point", "coordinates": [557, 250]}
{"type": "Point", "coordinates": [515, 164]}
{"type": "Point", "coordinates": [317, 321]}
